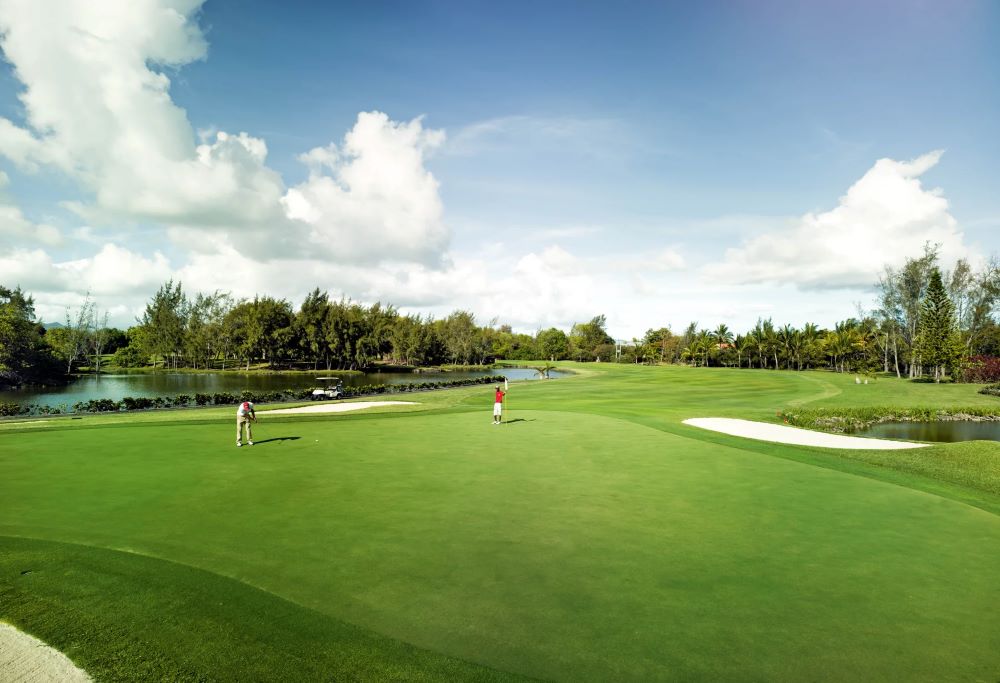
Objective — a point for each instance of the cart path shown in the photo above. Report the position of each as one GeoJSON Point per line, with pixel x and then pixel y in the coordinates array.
{"type": "Point", "coordinates": [763, 431]}
{"type": "Point", "coordinates": [24, 659]}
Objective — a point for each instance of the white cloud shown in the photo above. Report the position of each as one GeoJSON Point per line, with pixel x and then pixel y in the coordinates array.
{"type": "Point", "coordinates": [115, 271]}
{"type": "Point", "coordinates": [97, 109]}
{"type": "Point", "coordinates": [16, 229]}
{"type": "Point", "coordinates": [885, 217]}
{"type": "Point", "coordinates": [594, 137]}
{"type": "Point", "coordinates": [32, 269]}
{"type": "Point", "coordinates": [661, 261]}
{"type": "Point", "coordinates": [372, 200]}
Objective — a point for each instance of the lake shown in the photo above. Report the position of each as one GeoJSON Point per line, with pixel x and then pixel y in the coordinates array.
{"type": "Point", "coordinates": [944, 431]}
{"type": "Point", "coordinates": [116, 387]}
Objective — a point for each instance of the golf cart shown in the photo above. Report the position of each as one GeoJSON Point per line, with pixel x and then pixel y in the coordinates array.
{"type": "Point", "coordinates": [334, 388]}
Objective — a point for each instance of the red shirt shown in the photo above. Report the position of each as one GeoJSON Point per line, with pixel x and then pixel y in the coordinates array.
{"type": "Point", "coordinates": [499, 397]}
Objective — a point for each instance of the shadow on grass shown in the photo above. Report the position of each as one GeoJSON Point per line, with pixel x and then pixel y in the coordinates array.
{"type": "Point", "coordinates": [277, 438]}
{"type": "Point", "coordinates": [518, 419]}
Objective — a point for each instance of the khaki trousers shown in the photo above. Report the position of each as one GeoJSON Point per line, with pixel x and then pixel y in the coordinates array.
{"type": "Point", "coordinates": [240, 421]}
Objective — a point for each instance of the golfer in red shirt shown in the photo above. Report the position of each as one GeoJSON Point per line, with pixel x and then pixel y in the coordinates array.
{"type": "Point", "coordinates": [498, 406]}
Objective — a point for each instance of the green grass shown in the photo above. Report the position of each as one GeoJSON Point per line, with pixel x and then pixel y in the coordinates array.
{"type": "Point", "coordinates": [594, 537]}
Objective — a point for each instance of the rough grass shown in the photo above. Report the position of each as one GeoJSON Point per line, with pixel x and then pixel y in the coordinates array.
{"type": "Point", "coordinates": [593, 537]}
{"type": "Point", "coordinates": [855, 419]}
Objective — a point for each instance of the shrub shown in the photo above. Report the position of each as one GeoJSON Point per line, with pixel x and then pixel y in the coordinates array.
{"type": "Point", "coordinates": [10, 409]}
{"type": "Point", "coordinates": [140, 403]}
{"type": "Point", "coordinates": [97, 405]}
{"type": "Point", "coordinates": [982, 369]}
{"type": "Point", "coordinates": [991, 390]}
{"type": "Point", "coordinates": [203, 399]}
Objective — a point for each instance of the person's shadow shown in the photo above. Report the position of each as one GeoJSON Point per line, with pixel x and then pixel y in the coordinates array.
{"type": "Point", "coordinates": [277, 438]}
{"type": "Point", "coordinates": [518, 419]}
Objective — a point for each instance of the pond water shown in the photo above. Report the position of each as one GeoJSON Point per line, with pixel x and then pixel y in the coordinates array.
{"type": "Point", "coordinates": [946, 431]}
{"type": "Point", "coordinates": [116, 387]}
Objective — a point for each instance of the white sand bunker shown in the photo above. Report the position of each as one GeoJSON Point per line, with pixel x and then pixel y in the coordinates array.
{"type": "Point", "coordinates": [763, 431]}
{"type": "Point", "coordinates": [24, 658]}
{"type": "Point", "coordinates": [340, 407]}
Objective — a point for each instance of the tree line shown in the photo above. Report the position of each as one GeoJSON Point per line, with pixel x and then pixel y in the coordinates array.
{"type": "Point", "coordinates": [926, 322]}
{"type": "Point", "coordinates": [215, 331]}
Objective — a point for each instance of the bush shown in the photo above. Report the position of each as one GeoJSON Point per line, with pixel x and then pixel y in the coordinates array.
{"type": "Point", "coordinates": [97, 405]}
{"type": "Point", "coordinates": [10, 409]}
{"type": "Point", "coordinates": [202, 399]}
{"type": "Point", "coordinates": [991, 390]}
{"type": "Point", "coordinates": [140, 403]}
{"type": "Point", "coordinates": [982, 369]}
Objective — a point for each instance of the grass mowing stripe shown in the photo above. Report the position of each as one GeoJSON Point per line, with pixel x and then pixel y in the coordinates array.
{"type": "Point", "coordinates": [585, 542]}
{"type": "Point", "coordinates": [127, 617]}
{"type": "Point", "coordinates": [564, 546]}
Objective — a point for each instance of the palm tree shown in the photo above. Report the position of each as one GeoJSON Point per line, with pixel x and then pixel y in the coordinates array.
{"type": "Point", "coordinates": [705, 344]}
{"type": "Point", "coordinates": [788, 341]}
{"type": "Point", "coordinates": [543, 371]}
{"type": "Point", "coordinates": [748, 343]}
{"type": "Point", "coordinates": [810, 340]}
{"type": "Point", "coordinates": [771, 340]}
{"type": "Point", "coordinates": [690, 353]}
{"type": "Point", "coordinates": [723, 335]}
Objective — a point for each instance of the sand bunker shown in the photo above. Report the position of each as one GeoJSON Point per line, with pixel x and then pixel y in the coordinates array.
{"type": "Point", "coordinates": [763, 431]}
{"type": "Point", "coordinates": [25, 658]}
{"type": "Point", "coordinates": [339, 407]}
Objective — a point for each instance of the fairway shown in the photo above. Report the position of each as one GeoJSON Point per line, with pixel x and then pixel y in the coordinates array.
{"type": "Point", "coordinates": [592, 537]}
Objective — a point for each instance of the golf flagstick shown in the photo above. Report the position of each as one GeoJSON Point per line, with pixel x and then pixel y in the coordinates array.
{"type": "Point", "coordinates": [505, 389]}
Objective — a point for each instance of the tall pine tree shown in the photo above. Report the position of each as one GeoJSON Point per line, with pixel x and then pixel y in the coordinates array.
{"type": "Point", "coordinates": [938, 340]}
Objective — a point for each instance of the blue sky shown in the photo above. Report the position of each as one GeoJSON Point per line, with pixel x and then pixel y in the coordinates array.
{"type": "Point", "coordinates": [539, 163]}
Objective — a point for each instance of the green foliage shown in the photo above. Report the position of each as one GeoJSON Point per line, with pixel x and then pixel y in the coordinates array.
{"type": "Point", "coordinates": [553, 344]}
{"type": "Point", "coordinates": [10, 409]}
{"type": "Point", "coordinates": [991, 390]}
{"type": "Point", "coordinates": [24, 355]}
{"type": "Point", "coordinates": [589, 341]}
{"type": "Point", "coordinates": [161, 329]}
{"type": "Point", "coordinates": [938, 344]}
{"type": "Point", "coordinates": [855, 419]}
{"type": "Point", "coordinates": [130, 357]}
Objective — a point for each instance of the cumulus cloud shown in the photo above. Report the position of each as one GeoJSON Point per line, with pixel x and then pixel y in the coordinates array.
{"type": "Point", "coordinates": [16, 229]}
{"type": "Point", "coordinates": [97, 107]}
{"type": "Point", "coordinates": [548, 287]}
{"type": "Point", "coordinates": [114, 270]}
{"type": "Point", "coordinates": [885, 217]}
{"type": "Point", "coordinates": [372, 199]}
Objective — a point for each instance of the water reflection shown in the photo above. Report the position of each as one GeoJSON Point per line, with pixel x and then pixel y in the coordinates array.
{"type": "Point", "coordinates": [946, 431]}
{"type": "Point", "coordinates": [116, 387]}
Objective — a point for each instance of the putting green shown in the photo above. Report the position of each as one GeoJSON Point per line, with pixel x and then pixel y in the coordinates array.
{"type": "Point", "coordinates": [593, 537]}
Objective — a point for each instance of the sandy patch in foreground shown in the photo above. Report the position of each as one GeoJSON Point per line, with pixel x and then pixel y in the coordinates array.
{"type": "Point", "coordinates": [25, 658]}
{"type": "Point", "coordinates": [763, 431]}
{"type": "Point", "coordinates": [339, 407]}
